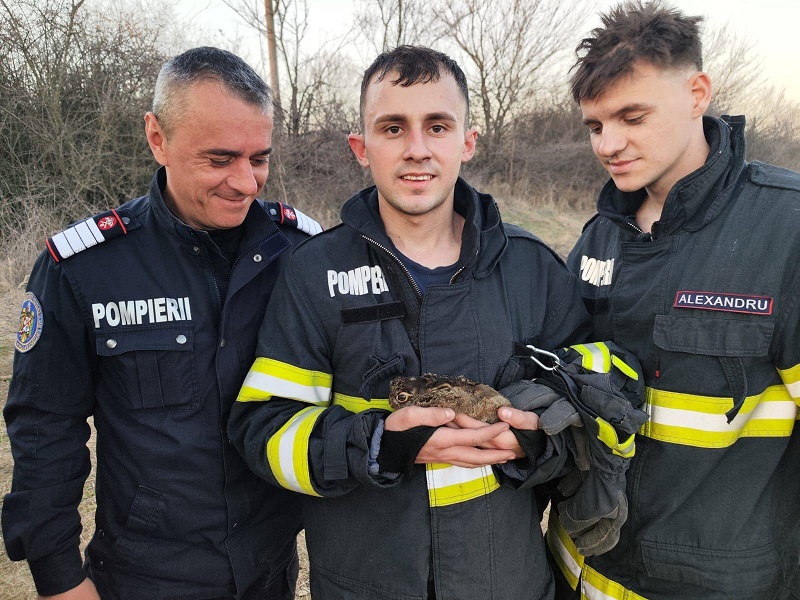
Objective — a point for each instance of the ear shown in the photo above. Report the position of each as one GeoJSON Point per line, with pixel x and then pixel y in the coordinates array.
{"type": "Point", "coordinates": [359, 148]}
{"type": "Point", "coordinates": [156, 138]}
{"type": "Point", "coordinates": [470, 139]}
{"type": "Point", "coordinates": [700, 88]}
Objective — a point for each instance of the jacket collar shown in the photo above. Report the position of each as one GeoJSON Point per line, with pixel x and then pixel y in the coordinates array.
{"type": "Point", "coordinates": [483, 239]}
{"type": "Point", "coordinates": [699, 197]}
{"type": "Point", "coordinates": [257, 223]}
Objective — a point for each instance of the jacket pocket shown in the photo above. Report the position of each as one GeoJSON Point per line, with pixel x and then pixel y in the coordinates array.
{"type": "Point", "coordinates": [326, 585]}
{"type": "Point", "coordinates": [713, 337]}
{"type": "Point", "coordinates": [150, 368]}
{"type": "Point", "coordinates": [736, 573]}
{"type": "Point", "coordinates": [143, 522]}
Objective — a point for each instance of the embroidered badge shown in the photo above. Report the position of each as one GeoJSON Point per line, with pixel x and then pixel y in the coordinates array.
{"type": "Point", "coordinates": [738, 303]}
{"type": "Point", "coordinates": [31, 322]}
{"type": "Point", "coordinates": [289, 214]}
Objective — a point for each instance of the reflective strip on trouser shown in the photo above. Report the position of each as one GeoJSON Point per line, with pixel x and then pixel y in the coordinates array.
{"type": "Point", "coordinates": [287, 451]}
{"type": "Point", "coordinates": [448, 484]}
{"type": "Point", "coordinates": [700, 420]}
{"type": "Point", "coordinates": [595, 586]}
{"type": "Point", "coordinates": [268, 378]}
{"type": "Point", "coordinates": [791, 379]}
{"type": "Point", "coordinates": [563, 549]}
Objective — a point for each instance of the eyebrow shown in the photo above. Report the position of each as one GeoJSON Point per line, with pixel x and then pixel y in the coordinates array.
{"type": "Point", "coordinates": [393, 118]}
{"type": "Point", "coordinates": [628, 108]}
{"type": "Point", "coordinates": [233, 153]}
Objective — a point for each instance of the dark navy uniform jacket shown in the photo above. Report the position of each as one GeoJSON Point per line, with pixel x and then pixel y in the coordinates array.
{"type": "Point", "coordinates": [136, 333]}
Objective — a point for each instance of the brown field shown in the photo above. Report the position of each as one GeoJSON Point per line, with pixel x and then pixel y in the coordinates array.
{"type": "Point", "coordinates": [558, 228]}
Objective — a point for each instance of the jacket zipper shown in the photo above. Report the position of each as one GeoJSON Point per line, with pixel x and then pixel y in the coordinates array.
{"type": "Point", "coordinates": [400, 263]}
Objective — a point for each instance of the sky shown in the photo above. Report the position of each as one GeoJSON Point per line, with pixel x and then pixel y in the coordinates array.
{"type": "Point", "coordinates": [770, 24]}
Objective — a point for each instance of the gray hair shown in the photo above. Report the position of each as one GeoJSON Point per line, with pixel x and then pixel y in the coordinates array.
{"type": "Point", "coordinates": [206, 64]}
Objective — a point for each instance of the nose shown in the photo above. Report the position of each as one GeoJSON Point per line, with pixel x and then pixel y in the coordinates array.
{"type": "Point", "coordinates": [416, 148]}
{"type": "Point", "coordinates": [610, 141]}
{"type": "Point", "coordinates": [245, 179]}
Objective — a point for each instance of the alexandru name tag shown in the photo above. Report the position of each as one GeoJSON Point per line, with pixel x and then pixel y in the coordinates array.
{"type": "Point", "coordinates": [739, 303]}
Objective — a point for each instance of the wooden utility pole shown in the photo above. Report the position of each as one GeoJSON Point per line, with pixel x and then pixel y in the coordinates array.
{"type": "Point", "coordinates": [272, 51]}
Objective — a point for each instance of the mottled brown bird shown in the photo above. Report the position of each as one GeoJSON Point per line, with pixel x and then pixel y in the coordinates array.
{"type": "Point", "coordinates": [474, 399]}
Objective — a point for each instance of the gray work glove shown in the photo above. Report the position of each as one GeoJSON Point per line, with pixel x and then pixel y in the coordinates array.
{"type": "Point", "coordinates": [607, 403]}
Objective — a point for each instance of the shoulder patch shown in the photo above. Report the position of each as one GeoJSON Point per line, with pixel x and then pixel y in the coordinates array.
{"type": "Point", "coordinates": [31, 322]}
{"type": "Point", "coordinates": [283, 214]}
{"type": "Point", "coordinates": [85, 234]}
{"type": "Point", "coordinates": [772, 176]}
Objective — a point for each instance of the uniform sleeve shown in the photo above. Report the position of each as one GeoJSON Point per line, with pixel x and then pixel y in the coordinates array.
{"type": "Point", "coordinates": [283, 421]}
{"type": "Point", "coordinates": [49, 400]}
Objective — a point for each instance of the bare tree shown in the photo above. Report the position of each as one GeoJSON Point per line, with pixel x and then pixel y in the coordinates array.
{"type": "Point", "coordinates": [735, 67]}
{"type": "Point", "coordinates": [386, 24]}
{"type": "Point", "coordinates": [509, 46]}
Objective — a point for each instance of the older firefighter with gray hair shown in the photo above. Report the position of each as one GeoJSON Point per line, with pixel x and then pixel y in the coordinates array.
{"type": "Point", "coordinates": [144, 317]}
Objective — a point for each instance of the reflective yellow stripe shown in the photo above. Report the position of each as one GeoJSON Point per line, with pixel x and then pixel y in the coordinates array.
{"type": "Point", "coordinates": [268, 378]}
{"type": "Point", "coordinates": [700, 420]}
{"type": "Point", "coordinates": [624, 367]}
{"type": "Point", "coordinates": [595, 586]}
{"type": "Point", "coordinates": [448, 484]}
{"type": "Point", "coordinates": [287, 451]}
{"type": "Point", "coordinates": [791, 379]}
{"type": "Point", "coordinates": [596, 357]}
{"type": "Point", "coordinates": [608, 436]}
{"type": "Point", "coordinates": [566, 555]}
{"type": "Point", "coordinates": [357, 405]}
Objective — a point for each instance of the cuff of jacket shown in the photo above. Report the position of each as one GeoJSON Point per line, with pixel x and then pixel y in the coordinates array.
{"type": "Point", "coordinates": [57, 573]}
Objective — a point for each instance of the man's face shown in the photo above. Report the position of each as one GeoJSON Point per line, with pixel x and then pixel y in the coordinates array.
{"type": "Point", "coordinates": [414, 142]}
{"type": "Point", "coordinates": [643, 126]}
{"type": "Point", "coordinates": [216, 156]}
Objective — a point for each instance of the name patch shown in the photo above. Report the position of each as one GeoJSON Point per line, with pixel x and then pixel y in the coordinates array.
{"type": "Point", "coordinates": [595, 271]}
{"type": "Point", "coordinates": [138, 312]}
{"type": "Point", "coordinates": [357, 282]}
{"type": "Point", "coordinates": [739, 303]}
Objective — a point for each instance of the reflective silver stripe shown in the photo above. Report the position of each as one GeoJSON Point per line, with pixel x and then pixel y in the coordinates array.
{"type": "Point", "coordinates": [783, 410]}
{"type": "Point", "coordinates": [83, 231]}
{"type": "Point", "coordinates": [270, 386]}
{"type": "Point", "coordinates": [794, 389]}
{"type": "Point", "coordinates": [98, 235]}
{"type": "Point", "coordinates": [62, 245]}
{"type": "Point", "coordinates": [74, 240]}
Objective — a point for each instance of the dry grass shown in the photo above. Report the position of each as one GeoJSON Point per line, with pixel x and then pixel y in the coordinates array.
{"type": "Point", "coordinates": [555, 226]}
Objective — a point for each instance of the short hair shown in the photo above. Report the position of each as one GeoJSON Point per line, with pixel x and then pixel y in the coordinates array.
{"type": "Point", "coordinates": [632, 31]}
{"type": "Point", "coordinates": [206, 64]}
{"type": "Point", "coordinates": [414, 64]}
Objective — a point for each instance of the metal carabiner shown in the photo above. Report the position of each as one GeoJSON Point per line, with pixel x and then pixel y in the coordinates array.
{"type": "Point", "coordinates": [557, 364]}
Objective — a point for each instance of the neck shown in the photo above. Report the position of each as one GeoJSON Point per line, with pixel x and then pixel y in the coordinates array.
{"type": "Point", "coordinates": [431, 240]}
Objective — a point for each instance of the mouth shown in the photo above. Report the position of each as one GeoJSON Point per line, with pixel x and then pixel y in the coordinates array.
{"type": "Point", "coordinates": [416, 177]}
{"type": "Point", "coordinates": [620, 167]}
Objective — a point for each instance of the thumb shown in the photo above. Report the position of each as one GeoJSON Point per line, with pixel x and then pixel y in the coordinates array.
{"type": "Point", "coordinates": [518, 419]}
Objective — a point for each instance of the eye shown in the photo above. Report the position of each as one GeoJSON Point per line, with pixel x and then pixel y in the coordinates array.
{"type": "Point", "coordinates": [595, 129]}
{"type": "Point", "coordinates": [438, 129]}
{"type": "Point", "coordinates": [393, 130]}
{"type": "Point", "coordinates": [259, 161]}
{"type": "Point", "coordinates": [403, 397]}
{"type": "Point", "coordinates": [220, 162]}
{"type": "Point", "coordinates": [634, 120]}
